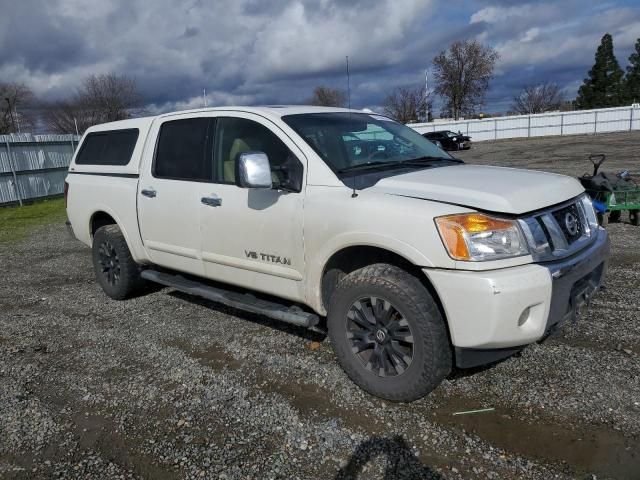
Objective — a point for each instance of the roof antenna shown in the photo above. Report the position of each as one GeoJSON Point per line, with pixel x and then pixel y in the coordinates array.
{"type": "Point", "coordinates": [354, 193]}
{"type": "Point", "coordinates": [348, 83]}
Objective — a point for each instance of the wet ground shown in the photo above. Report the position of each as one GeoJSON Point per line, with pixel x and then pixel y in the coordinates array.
{"type": "Point", "coordinates": [170, 386]}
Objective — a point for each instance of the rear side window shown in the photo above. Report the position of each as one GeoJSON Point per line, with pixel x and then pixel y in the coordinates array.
{"type": "Point", "coordinates": [185, 150]}
{"type": "Point", "coordinates": [114, 147]}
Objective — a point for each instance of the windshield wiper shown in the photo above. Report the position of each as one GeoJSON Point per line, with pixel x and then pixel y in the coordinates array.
{"type": "Point", "coordinates": [414, 162]}
{"type": "Point", "coordinates": [368, 165]}
{"type": "Point", "coordinates": [428, 159]}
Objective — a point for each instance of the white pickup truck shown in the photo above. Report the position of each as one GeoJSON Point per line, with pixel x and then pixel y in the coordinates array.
{"type": "Point", "coordinates": [418, 261]}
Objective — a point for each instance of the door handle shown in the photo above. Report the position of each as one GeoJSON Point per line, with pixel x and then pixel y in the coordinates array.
{"type": "Point", "coordinates": [212, 201]}
{"type": "Point", "coordinates": [148, 192]}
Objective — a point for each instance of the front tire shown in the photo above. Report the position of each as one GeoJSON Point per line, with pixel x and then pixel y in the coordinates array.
{"type": "Point", "coordinates": [388, 333]}
{"type": "Point", "coordinates": [116, 271]}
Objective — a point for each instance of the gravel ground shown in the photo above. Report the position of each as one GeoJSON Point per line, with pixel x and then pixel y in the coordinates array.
{"type": "Point", "coordinates": [170, 386]}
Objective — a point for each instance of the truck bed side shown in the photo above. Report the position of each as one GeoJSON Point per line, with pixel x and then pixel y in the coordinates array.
{"type": "Point", "coordinates": [98, 193]}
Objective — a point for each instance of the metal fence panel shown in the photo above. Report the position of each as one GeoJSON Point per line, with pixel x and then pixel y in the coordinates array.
{"type": "Point", "coordinates": [7, 190]}
{"type": "Point", "coordinates": [542, 124]}
{"type": "Point", "coordinates": [33, 166]}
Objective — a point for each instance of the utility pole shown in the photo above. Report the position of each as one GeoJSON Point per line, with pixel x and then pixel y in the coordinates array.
{"type": "Point", "coordinates": [17, 118]}
{"type": "Point", "coordinates": [13, 121]}
{"type": "Point", "coordinates": [426, 95]}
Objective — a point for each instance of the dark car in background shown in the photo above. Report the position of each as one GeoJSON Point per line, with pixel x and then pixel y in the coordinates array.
{"type": "Point", "coordinates": [449, 140]}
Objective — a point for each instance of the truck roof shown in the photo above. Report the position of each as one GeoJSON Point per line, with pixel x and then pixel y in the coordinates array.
{"type": "Point", "coordinates": [266, 111]}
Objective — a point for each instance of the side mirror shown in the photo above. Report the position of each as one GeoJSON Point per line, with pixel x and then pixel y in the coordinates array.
{"type": "Point", "coordinates": [254, 170]}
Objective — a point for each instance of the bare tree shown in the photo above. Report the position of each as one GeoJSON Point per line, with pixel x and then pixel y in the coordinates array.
{"type": "Point", "coordinates": [16, 102]}
{"type": "Point", "coordinates": [537, 99]}
{"type": "Point", "coordinates": [69, 116]}
{"type": "Point", "coordinates": [112, 96]}
{"type": "Point", "coordinates": [101, 98]}
{"type": "Point", "coordinates": [328, 97]}
{"type": "Point", "coordinates": [462, 76]}
{"type": "Point", "coordinates": [407, 104]}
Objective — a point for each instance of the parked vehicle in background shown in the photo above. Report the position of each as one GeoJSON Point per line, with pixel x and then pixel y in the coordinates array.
{"type": "Point", "coordinates": [418, 261]}
{"type": "Point", "coordinates": [450, 140]}
{"type": "Point", "coordinates": [437, 143]}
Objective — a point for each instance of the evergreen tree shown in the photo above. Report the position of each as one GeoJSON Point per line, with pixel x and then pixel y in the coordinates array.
{"type": "Point", "coordinates": [632, 81]}
{"type": "Point", "coordinates": [604, 86]}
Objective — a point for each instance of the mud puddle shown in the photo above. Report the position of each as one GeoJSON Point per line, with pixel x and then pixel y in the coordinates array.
{"type": "Point", "coordinates": [598, 345]}
{"type": "Point", "coordinates": [582, 448]}
{"type": "Point", "coordinates": [99, 433]}
{"type": "Point", "coordinates": [214, 356]}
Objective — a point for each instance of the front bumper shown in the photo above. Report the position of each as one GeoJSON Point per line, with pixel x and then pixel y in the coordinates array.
{"type": "Point", "coordinates": [576, 279]}
{"type": "Point", "coordinates": [506, 309]}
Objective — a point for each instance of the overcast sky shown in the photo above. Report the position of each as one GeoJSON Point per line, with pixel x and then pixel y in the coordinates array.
{"type": "Point", "coordinates": [276, 51]}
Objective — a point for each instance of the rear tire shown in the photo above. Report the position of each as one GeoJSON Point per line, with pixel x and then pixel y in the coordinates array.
{"type": "Point", "coordinates": [388, 333]}
{"type": "Point", "coordinates": [116, 271]}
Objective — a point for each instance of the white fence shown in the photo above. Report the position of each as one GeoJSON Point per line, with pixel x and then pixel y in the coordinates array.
{"type": "Point", "coordinates": [556, 123]}
{"type": "Point", "coordinates": [33, 166]}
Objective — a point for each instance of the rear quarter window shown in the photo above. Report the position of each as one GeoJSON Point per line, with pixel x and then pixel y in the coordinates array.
{"type": "Point", "coordinates": [113, 147]}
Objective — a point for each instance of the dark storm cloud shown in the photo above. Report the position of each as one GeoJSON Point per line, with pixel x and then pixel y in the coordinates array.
{"type": "Point", "coordinates": [256, 51]}
{"type": "Point", "coordinates": [28, 36]}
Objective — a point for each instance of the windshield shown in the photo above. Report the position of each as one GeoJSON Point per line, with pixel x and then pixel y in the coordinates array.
{"type": "Point", "coordinates": [451, 134]}
{"type": "Point", "coordinates": [346, 140]}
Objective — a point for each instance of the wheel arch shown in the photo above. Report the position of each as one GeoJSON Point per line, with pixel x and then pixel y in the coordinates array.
{"type": "Point", "coordinates": [352, 257]}
{"type": "Point", "coordinates": [98, 219]}
{"type": "Point", "coordinates": [103, 215]}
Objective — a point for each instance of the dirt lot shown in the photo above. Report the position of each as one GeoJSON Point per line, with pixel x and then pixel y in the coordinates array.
{"type": "Point", "coordinates": [167, 386]}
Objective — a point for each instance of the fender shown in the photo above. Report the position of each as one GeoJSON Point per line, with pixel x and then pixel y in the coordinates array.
{"type": "Point", "coordinates": [317, 264]}
{"type": "Point", "coordinates": [138, 252]}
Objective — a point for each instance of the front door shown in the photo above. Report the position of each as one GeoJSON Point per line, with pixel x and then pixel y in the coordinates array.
{"type": "Point", "coordinates": [253, 237]}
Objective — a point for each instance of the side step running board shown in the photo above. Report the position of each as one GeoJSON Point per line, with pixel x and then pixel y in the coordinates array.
{"type": "Point", "coordinates": [241, 301]}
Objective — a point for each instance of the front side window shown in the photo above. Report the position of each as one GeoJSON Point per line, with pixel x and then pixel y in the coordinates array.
{"type": "Point", "coordinates": [348, 140]}
{"type": "Point", "coordinates": [184, 150]}
{"type": "Point", "coordinates": [113, 147]}
{"type": "Point", "coordinates": [235, 136]}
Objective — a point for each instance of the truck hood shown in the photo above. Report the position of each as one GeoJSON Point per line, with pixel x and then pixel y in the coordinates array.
{"type": "Point", "coordinates": [495, 189]}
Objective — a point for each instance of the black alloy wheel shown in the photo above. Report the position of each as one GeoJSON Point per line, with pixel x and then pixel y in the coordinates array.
{"type": "Point", "coordinates": [116, 271]}
{"type": "Point", "coordinates": [109, 262]}
{"type": "Point", "coordinates": [379, 336]}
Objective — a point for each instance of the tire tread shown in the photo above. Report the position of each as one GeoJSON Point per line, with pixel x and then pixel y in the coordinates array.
{"type": "Point", "coordinates": [130, 279]}
{"type": "Point", "coordinates": [421, 306]}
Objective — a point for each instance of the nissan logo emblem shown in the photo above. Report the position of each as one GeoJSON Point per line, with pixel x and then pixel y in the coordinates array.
{"type": "Point", "coordinates": [571, 223]}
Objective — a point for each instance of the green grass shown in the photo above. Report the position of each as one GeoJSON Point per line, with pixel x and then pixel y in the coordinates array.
{"type": "Point", "coordinates": [16, 222]}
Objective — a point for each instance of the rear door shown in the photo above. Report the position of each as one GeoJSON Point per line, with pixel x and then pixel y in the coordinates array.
{"type": "Point", "coordinates": [169, 196]}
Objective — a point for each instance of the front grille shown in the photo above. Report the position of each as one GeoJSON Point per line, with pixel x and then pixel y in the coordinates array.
{"type": "Point", "coordinates": [557, 232]}
{"type": "Point", "coordinates": [570, 222]}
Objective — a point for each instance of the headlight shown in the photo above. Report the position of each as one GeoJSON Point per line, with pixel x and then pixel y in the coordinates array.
{"type": "Point", "coordinates": [478, 237]}
{"type": "Point", "coordinates": [590, 214]}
